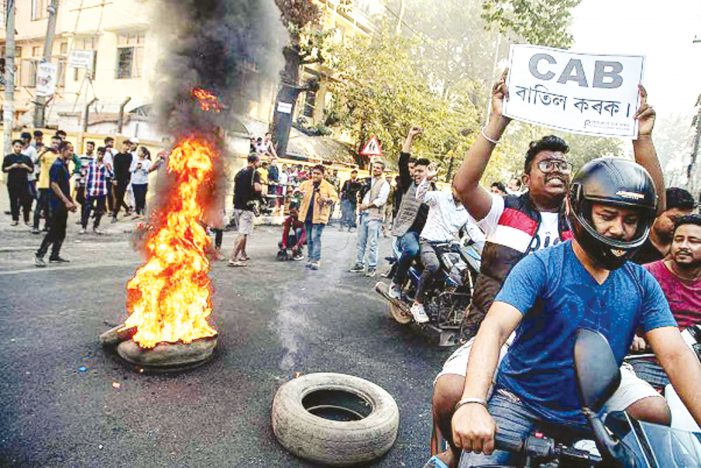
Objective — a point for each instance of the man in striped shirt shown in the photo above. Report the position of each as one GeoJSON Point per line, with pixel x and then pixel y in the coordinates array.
{"type": "Point", "coordinates": [96, 180]}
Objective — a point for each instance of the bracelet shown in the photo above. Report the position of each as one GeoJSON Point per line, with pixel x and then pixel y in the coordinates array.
{"type": "Point", "coordinates": [492, 141]}
{"type": "Point", "coordinates": [467, 401]}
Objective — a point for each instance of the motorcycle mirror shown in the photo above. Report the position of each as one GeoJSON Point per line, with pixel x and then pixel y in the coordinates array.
{"type": "Point", "coordinates": [598, 375]}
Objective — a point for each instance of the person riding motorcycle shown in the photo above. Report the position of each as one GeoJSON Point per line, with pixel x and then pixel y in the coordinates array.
{"type": "Point", "coordinates": [518, 225]}
{"type": "Point", "coordinates": [679, 276]}
{"type": "Point", "coordinates": [446, 215]}
{"type": "Point", "coordinates": [586, 282]}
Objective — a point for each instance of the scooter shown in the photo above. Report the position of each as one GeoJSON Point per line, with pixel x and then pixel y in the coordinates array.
{"type": "Point", "coordinates": [449, 294]}
{"type": "Point", "coordinates": [620, 440]}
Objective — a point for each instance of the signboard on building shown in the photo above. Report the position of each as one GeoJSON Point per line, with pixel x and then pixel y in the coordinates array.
{"type": "Point", "coordinates": [372, 147]}
{"type": "Point", "coordinates": [591, 94]}
{"type": "Point", "coordinates": [81, 59]}
{"type": "Point", "coordinates": [47, 75]}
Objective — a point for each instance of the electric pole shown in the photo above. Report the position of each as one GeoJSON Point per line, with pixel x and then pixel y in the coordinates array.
{"type": "Point", "coordinates": [40, 103]}
{"type": "Point", "coordinates": [8, 108]}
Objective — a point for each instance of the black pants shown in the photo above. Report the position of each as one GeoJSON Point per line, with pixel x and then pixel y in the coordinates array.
{"type": "Point", "coordinates": [119, 191]}
{"type": "Point", "coordinates": [98, 204]}
{"type": "Point", "coordinates": [56, 234]}
{"type": "Point", "coordinates": [218, 237]}
{"type": "Point", "coordinates": [19, 198]}
{"type": "Point", "coordinates": [140, 197]}
{"type": "Point", "coordinates": [110, 195]}
{"type": "Point", "coordinates": [43, 207]}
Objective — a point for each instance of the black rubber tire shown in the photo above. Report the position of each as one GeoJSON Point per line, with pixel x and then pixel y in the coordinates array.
{"type": "Point", "coordinates": [334, 443]}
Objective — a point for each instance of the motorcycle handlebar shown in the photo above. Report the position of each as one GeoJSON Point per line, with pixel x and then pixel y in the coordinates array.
{"type": "Point", "coordinates": [502, 442]}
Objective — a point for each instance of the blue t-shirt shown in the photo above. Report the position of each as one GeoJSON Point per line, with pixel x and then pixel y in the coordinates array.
{"type": "Point", "coordinates": [58, 173]}
{"type": "Point", "coordinates": [557, 296]}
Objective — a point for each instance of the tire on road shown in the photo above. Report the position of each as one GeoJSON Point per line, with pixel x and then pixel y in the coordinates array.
{"type": "Point", "coordinates": [334, 442]}
{"type": "Point", "coordinates": [399, 314]}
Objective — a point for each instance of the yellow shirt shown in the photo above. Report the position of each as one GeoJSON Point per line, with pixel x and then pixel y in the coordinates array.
{"type": "Point", "coordinates": [45, 161]}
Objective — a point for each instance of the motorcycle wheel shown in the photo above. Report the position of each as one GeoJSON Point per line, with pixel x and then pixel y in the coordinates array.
{"type": "Point", "coordinates": [399, 314]}
{"type": "Point", "coordinates": [335, 419]}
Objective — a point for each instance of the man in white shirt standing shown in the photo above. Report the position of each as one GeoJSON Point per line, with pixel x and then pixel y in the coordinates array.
{"type": "Point", "coordinates": [370, 220]}
{"type": "Point", "coordinates": [31, 152]}
{"type": "Point", "coordinates": [446, 215]}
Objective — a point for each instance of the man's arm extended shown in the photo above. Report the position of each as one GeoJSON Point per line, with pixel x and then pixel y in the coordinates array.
{"type": "Point", "coordinates": [473, 426]}
{"type": "Point", "coordinates": [475, 198]}
{"type": "Point", "coordinates": [403, 163]}
{"type": "Point", "coordinates": [680, 364]}
{"type": "Point", "coordinates": [644, 148]}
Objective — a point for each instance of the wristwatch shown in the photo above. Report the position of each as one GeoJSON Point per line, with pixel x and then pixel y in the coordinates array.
{"type": "Point", "coordinates": [467, 401]}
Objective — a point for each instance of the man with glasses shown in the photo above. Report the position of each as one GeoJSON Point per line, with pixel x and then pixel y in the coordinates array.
{"type": "Point", "coordinates": [517, 225]}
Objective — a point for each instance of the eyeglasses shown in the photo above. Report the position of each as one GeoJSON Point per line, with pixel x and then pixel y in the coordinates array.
{"type": "Point", "coordinates": [550, 165]}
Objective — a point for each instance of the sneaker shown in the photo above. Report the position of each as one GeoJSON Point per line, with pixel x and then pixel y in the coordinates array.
{"type": "Point", "coordinates": [35, 231]}
{"type": "Point", "coordinates": [82, 231]}
{"type": "Point", "coordinates": [298, 257]}
{"type": "Point", "coordinates": [315, 265]}
{"type": "Point", "coordinates": [97, 232]}
{"type": "Point", "coordinates": [114, 220]}
{"type": "Point", "coordinates": [28, 224]}
{"type": "Point", "coordinates": [14, 223]}
{"type": "Point", "coordinates": [236, 263]}
{"type": "Point", "coordinates": [417, 311]}
{"type": "Point", "coordinates": [357, 268]}
{"type": "Point", "coordinates": [39, 262]}
{"type": "Point", "coordinates": [395, 292]}
{"type": "Point", "coordinates": [308, 264]}
{"type": "Point", "coordinates": [371, 272]}
{"type": "Point", "coordinates": [58, 260]}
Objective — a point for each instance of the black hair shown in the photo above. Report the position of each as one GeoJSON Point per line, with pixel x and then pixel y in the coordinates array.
{"type": "Point", "coordinates": [14, 142]}
{"type": "Point", "coordinates": [57, 137]}
{"type": "Point", "coordinates": [252, 158]}
{"type": "Point", "coordinates": [90, 143]}
{"type": "Point", "coordinates": [499, 185]}
{"type": "Point", "coordinates": [147, 153]}
{"type": "Point", "coordinates": [422, 162]}
{"type": "Point", "coordinates": [61, 133]}
{"type": "Point", "coordinates": [688, 219]}
{"type": "Point", "coordinates": [38, 133]}
{"type": "Point", "coordinates": [354, 171]}
{"type": "Point", "coordinates": [412, 161]}
{"type": "Point", "coordinates": [108, 139]}
{"type": "Point", "coordinates": [265, 164]}
{"type": "Point", "coordinates": [101, 149]}
{"type": "Point", "coordinates": [547, 143]}
{"type": "Point", "coordinates": [319, 168]}
{"type": "Point", "coordinates": [63, 145]}
{"type": "Point", "coordinates": [26, 135]}
{"type": "Point", "coordinates": [518, 181]}
{"type": "Point", "coordinates": [679, 198]}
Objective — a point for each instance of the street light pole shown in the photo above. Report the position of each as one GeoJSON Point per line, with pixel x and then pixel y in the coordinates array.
{"type": "Point", "coordinates": [40, 103]}
{"type": "Point", "coordinates": [8, 108]}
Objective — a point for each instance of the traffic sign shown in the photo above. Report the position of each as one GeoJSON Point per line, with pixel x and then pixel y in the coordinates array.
{"type": "Point", "coordinates": [372, 147]}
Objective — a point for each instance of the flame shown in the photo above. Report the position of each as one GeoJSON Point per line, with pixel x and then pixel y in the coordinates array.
{"type": "Point", "coordinates": [169, 297]}
{"type": "Point", "coordinates": [208, 102]}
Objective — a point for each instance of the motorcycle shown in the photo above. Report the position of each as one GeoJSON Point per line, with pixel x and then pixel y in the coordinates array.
{"type": "Point", "coordinates": [447, 296]}
{"type": "Point", "coordinates": [619, 439]}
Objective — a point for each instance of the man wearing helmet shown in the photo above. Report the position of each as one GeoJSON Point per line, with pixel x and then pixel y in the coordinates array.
{"type": "Point", "coordinates": [518, 225]}
{"type": "Point", "coordinates": [586, 282]}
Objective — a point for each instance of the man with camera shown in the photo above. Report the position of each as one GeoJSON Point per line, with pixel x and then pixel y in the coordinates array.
{"type": "Point", "coordinates": [247, 190]}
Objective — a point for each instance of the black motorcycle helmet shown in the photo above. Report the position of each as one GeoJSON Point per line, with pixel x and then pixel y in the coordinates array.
{"type": "Point", "coordinates": [617, 182]}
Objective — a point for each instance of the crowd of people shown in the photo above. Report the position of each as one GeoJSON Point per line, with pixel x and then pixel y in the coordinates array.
{"type": "Point", "coordinates": [105, 180]}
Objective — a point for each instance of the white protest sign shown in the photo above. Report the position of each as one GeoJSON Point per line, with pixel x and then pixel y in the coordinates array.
{"type": "Point", "coordinates": [581, 93]}
{"type": "Point", "coordinates": [47, 75]}
{"type": "Point", "coordinates": [81, 59]}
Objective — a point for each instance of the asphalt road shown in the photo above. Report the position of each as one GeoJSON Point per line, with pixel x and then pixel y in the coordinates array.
{"type": "Point", "coordinates": [275, 319]}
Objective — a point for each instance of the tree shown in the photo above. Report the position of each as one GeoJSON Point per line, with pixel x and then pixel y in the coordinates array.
{"type": "Point", "coordinates": [539, 22]}
{"type": "Point", "coordinates": [305, 46]}
{"type": "Point", "coordinates": [381, 89]}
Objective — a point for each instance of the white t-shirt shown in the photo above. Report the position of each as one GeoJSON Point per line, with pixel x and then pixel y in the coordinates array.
{"type": "Point", "coordinates": [139, 176]}
{"type": "Point", "coordinates": [546, 236]}
{"type": "Point", "coordinates": [31, 153]}
{"type": "Point", "coordinates": [108, 159]}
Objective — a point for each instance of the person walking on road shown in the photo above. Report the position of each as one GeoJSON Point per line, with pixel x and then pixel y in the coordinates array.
{"type": "Point", "coordinates": [61, 203]}
{"type": "Point", "coordinates": [96, 181]}
{"type": "Point", "coordinates": [247, 190]}
{"type": "Point", "coordinates": [315, 209]}
{"type": "Point", "coordinates": [349, 201]}
{"type": "Point", "coordinates": [370, 220]}
{"type": "Point", "coordinates": [18, 167]}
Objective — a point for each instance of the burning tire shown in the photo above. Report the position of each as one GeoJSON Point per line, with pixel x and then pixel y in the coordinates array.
{"type": "Point", "coordinates": [335, 419]}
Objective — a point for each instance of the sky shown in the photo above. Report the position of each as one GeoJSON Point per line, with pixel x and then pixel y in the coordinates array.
{"type": "Point", "coordinates": [661, 30]}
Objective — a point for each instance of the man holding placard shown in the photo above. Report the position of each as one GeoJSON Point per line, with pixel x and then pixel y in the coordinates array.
{"type": "Point", "coordinates": [517, 225]}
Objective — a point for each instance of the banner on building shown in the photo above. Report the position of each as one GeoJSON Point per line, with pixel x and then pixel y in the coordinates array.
{"type": "Point", "coordinates": [81, 59]}
{"type": "Point", "coordinates": [47, 75]}
{"type": "Point", "coordinates": [591, 94]}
